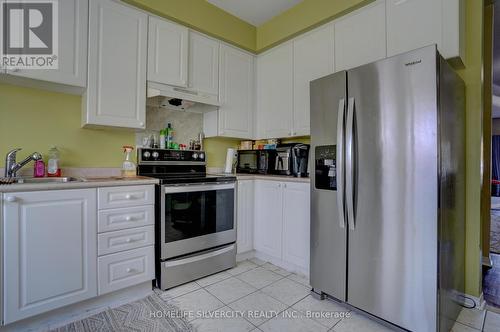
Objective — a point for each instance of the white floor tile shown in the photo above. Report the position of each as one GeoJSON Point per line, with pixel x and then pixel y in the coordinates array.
{"type": "Point", "coordinates": [292, 321]}
{"type": "Point", "coordinates": [326, 312]}
{"type": "Point", "coordinates": [259, 277]}
{"type": "Point", "coordinates": [258, 307]}
{"type": "Point", "coordinates": [276, 269]}
{"type": "Point", "coordinates": [257, 261]}
{"type": "Point", "coordinates": [177, 291]}
{"type": "Point", "coordinates": [300, 279]}
{"type": "Point", "coordinates": [231, 289]}
{"type": "Point", "coordinates": [286, 291]}
{"type": "Point", "coordinates": [195, 302]}
{"type": "Point", "coordinates": [359, 323]}
{"type": "Point", "coordinates": [457, 327]}
{"type": "Point", "coordinates": [224, 319]}
{"type": "Point", "coordinates": [492, 322]}
{"type": "Point", "coordinates": [241, 267]}
{"type": "Point", "coordinates": [472, 317]}
{"type": "Point", "coordinates": [212, 279]}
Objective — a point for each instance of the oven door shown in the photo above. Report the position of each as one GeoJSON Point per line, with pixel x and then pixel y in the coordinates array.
{"type": "Point", "coordinates": [196, 217]}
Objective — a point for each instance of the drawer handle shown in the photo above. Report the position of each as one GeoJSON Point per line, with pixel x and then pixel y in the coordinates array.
{"type": "Point", "coordinates": [128, 196]}
{"type": "Point", "coordinates": [128, 240]}
{"type": "Point", "coordinates": [11, 199]}
{"type": "Point", "coordinates": [129, 270]}
{"type": "Point", "coordinates": [128, 218]}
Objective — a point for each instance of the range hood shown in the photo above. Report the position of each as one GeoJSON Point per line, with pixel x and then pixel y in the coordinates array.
{"type": "Point", "coordinates": [177, 98]}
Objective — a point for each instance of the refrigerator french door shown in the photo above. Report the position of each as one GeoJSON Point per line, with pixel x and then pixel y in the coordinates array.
{"type": "Point", "coordinates": [382, 147]}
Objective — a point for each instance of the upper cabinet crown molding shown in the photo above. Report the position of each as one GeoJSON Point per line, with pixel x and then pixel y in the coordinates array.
{"type": "Point", "coordinates": [116, 92]}
{"type": "Point", "coordinates": [168, 46]}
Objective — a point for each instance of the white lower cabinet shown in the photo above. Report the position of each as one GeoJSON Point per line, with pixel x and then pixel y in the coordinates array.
{"type": "Point", "coordinates": [282, 222]}
{"type": "Point", "coordinates": [245, 216]}
{"type": "Point", "coordinates": [50, 254]}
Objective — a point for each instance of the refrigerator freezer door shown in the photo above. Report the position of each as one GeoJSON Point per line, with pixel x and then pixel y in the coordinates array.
{"type": "Point", "coordinates": [328, 229]}
{"type": "Point", "coordinates": [392, 250]}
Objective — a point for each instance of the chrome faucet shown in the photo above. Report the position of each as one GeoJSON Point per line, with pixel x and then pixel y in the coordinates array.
{"type": "Point", "coordinates": [12, 167]}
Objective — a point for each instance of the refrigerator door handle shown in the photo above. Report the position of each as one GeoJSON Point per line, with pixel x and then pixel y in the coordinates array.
{"type": "Point", "coordinates": [349, 164]}
{"type": "Point", "coordinates": [340, 163]}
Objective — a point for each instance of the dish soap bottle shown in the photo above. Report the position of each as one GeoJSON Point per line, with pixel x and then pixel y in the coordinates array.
{"type": "Point", "coordinates": [53, 165]}
{"type": "Point", "coordinates": [128, 166]}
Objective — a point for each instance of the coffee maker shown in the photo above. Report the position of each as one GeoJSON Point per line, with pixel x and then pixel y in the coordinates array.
{"type": "Point", "coordinates": [300, 160]}
{"type": "Point", "coordinates": [292, 159]}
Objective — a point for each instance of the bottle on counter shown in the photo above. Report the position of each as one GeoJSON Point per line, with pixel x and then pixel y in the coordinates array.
{"type": "Point", "coordinates": [53, 165]}
{"type": "Point", "coordinates": [162, 139]}
{"type": "Point", "coordinates": [128, 166]}
{"type": "Point", "coordinates": [168, 135]}
{"type": "Point", "coordinates": [39, 169]}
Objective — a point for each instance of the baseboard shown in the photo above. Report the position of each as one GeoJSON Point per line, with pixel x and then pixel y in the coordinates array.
{"type": "Point", "coordinates": [278, 262]}
{"type": "Point", "coordinates": [245, 255]}
{"type": "Point", "coordinates": [77, 311]}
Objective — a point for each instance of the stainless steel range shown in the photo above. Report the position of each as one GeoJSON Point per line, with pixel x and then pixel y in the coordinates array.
{"type": "Point", "coordinates": [195, 216]}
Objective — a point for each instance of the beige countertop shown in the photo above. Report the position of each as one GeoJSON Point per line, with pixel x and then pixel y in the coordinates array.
{"type": "Point", "coordinates": [90, 182]}
{"type": "Point", "coordinates": [269, 177]}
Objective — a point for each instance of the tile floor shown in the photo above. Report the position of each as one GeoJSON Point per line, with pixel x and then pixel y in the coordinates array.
{"type": "Point", "coordinates": [258, 296]}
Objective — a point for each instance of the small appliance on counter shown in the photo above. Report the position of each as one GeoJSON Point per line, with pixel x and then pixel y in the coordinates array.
{"type": "Point", "coordinates": [230, 161]}
{"type": "Point", "coordinates": [256, 161]}
{"type": "Point", "coordinates": [292, 159]}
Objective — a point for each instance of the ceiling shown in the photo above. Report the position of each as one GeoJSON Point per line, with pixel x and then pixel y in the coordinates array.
{"type": "Point", "coordinates": [255, 12]}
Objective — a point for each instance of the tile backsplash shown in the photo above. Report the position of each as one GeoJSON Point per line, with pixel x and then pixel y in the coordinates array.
{"type": "Point", "coordinates": [187, 125]}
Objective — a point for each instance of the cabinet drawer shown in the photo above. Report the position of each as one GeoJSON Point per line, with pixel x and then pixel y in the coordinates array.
{"type": "Point", "coordinates": [117, 219]}
{"type": "Point", "coordinates": [112, 242]}
{"type": "Point", "coordinates": [125, 196]}
{"type": "Point", "coordinates": [125, 269]}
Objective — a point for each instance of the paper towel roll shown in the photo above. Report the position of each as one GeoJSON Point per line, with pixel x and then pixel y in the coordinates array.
{"type": "Point", "coordinates": [231, 154]}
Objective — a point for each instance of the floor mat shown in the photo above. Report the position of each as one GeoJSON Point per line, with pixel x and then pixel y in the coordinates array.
{"type": "Point", "coordinates": [495, 231]}
{"type": "Point", "coordinates": [146, 315]}
{"type": "Point", "coordinates": [491, 282]}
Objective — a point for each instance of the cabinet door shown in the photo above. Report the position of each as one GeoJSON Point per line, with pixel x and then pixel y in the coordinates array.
{"type": "Point", "coordinates": [245, 215]}
{"type": "Point", "coordinates": [167, 52]}
{"type": "Point", "coordinates": [274, 92]}
{"type": "Point", "coordinates": [296, 224]}
{"type": "Point", "coordinates": [203, 64]}
{"type": "Point", "coordinates": [268, 217]}
{"type": "Point", "coordinates": [116, 93]}
{"type": "Point", "coordinates": [73, 28]}
{"type": "Point", "coordinates": [313, 56]}
{"type": "Point", "coordinates": [412, 24]}
{"type": "Point", "coordinates": [237, 93]}
{"type": "Point", "coordinates": [360, 37]}
{"type": "Point", "coordinates": [50, 250]}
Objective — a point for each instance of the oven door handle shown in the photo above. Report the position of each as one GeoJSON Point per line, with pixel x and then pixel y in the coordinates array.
{"type": "Point", "coordinates": [199, 187]}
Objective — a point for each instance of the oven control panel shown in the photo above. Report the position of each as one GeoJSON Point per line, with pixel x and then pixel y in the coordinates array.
{"type": "Point", "coordinates": [164, 155]}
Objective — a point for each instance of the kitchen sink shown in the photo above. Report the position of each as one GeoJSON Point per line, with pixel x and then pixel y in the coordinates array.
{"type": "Point", "coordinates": [47, 180]}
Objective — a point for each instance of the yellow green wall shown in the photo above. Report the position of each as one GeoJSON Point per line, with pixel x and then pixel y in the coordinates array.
{"type": "Point", "coordinates": [472, 75]}
{"type": "Point", "coordinates": [204, 17]}
{"type": "Point", "coordinates": [36, 119]}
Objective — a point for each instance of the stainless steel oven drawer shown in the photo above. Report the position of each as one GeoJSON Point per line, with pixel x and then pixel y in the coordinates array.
{"type": "Point", "coordinates": [179, 271]}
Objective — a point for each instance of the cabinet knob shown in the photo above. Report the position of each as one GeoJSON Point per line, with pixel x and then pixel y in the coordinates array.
{"type": "Point", "coordinates": [279, 185]}
{"type": "Point", "coordinates": [11, 199]}
{"type": "Point", "coordinates": [128, 196]}
{"type": "Point", "coordinates": [128, 240]}
{"type": "Point", "coordinates": [141, 124]}
{"type": "Point", "coordinates": [129, 270]}
{"type": "Point", "coordinates": [284, 185]}
{"type": "Point", "coordinates": [128, 218]}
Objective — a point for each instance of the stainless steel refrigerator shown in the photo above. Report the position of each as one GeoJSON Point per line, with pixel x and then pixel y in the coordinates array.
{"type": "Point", "coordinates": [388, 189]}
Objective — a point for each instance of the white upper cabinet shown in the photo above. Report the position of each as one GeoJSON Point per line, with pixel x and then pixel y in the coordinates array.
{"type": "Point", "coordinates": [275, 92]}
{"type": "Point", "coordinates": [412, 24]}
{"type": "Point", "coordinates": [203, 64]}
{"type": "Point", "coordinates": [360, 37]}
{"type": "Point", "coordinates": [313, 57]}
{"type": "Point", "coordinates": [116, 93]}
{"type": "Point", "coordinates": [50, 250]}
{"type": "Point", "coordinates": [236, 93]}
{"type": "Point", "coordinates": [167, 52]}
{"type": "Point", "coordinates": [72, 48]}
